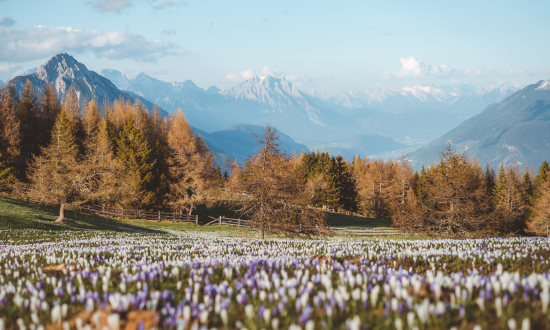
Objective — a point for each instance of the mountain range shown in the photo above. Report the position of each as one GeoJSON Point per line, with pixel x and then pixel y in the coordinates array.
{"type": "Point", "coordinates": [345, 123]}
{"type": "Point", "coordinates": [516, 129]}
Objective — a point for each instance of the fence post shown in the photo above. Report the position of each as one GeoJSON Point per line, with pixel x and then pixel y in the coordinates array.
{"type": "Point", "coordinates": [159, 215]}
{"type": "Point", "coordinates": [220, 220]}
{"type": "Point", "coordinates": [239, 223]}
{"type": "Point", "coordinates": [197, 219]}
{"type": "Point", "coordinates": [345, 231]}
{"type": "Point", "coordinates": [103, 209]}
{"type": "Point", "coordinates": [139, 214]}
{"type": "Point", "coordinates": [122, 213]}
{"type": "Point", "coordinates": [374, 231]}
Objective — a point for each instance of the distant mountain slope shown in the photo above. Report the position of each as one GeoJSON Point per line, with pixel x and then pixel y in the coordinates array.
{"type": "Point", "coordinates": [64, 71]}
{"type": "Point", "coordinates": [516, 129]}
{"type": "Point", "coordinates": [238, 142]}
{"type": "Point", "coordinates": [362, 145]}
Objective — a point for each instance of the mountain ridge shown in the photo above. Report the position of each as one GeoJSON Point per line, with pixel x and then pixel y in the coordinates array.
{"type": "Point", "coordinates": [65, 71]}
{"type": "Point", "coordinates": [515, 129]}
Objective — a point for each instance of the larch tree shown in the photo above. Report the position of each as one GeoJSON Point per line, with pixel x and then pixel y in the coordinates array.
{"type": "Point", "coordinates": [456, 204]}
{"type": "Point", "coordinates": [10, 138]}
{"type": "Point", "coordinates": [191, 165]}
{"type": "Point", "coordinates": [540, 222]}
{"type": "Point", "coordinates": [542, 177]}
{"type": "Point", "coordinates": [272, 193]}
{"type": "Point", "coordinates": [53, 174]}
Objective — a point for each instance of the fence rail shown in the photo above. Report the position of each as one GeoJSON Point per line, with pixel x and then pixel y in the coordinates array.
{"type": "Point", "coordinates": [346, 231]}
{"type": "Point", "coordinates": [142, 215]}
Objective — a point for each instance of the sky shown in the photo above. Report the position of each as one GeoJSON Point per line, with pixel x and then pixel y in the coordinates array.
{"type": "Point", "coordinates": [327, 46]}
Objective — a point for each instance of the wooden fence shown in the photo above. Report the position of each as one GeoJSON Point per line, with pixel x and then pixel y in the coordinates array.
{"type": "Point", "coordinates": [344, 231]}
{"type": "Point", "coordinates": [139, 214]}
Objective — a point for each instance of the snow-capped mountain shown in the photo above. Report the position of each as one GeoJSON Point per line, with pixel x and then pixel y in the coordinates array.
{"type": "Point", "coordinates": [153, 89]}
{"type": "Point", "coordinates": [544, 86]}
{"type": "Point", "coordinates": [278, 96]}
{"type": "Point", "coordinates": [454, 98]}
{"type": "Point", "coordinates": [64, 71]}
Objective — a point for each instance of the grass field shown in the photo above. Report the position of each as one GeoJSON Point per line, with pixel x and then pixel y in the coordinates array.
{"type": "Point", "coordinates": [19, 214]}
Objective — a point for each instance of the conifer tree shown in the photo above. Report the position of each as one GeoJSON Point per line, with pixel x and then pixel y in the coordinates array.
{"type": "Point", "coordinates": [540, 221]}
{"type": "Point", "coordinates": [71, 106]}
{"type": "Point", "coordinates": [134, 156]}
{"type": "Point", "coordinates": [499, 190]}
{"type": "Point", "coordinates": [50, 109]}
{"type": "Point", "coordinates": [457, 204]}
{"type": "Point", "coordinates": [53, 173]}
{"type": "Point", "coordinates": [101, 178]}
{"type": "Point", "coordinates": [91, 122]}
{"type": "Point", "coordinates": [219, 175]}
{"type": "Point", "coordinates": [192, 174]}
{"type": "Point", "coordinates": [7, 170]}
{"type": "Point", "coordinates": [541, 178]}
{"type": "Point", "coordinates": [10, 137]}
{"type": "Point", "coordinates": [28, 115]}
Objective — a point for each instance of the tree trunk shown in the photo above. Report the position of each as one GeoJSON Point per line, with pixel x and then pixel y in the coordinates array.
{"type": "Point", "coordinates": [61, 214]}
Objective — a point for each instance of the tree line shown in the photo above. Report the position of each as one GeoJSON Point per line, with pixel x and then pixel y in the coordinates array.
{"type": "Point", "coordinates": [122, 155]}
{"type": "Point", "coordinates": [119, 154]}
{"type": "Point", "coordinates": [456, 197]}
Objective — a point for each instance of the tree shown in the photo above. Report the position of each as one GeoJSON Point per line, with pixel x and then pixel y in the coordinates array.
{"type": "Point", "coordinates": [49, 110]}
{"type": "Point", "coordinates": [10, 137]}
{"type": "Point", "coordinates": [28, 115]}
{"type": "Point", "coordinates": [456, 202]}
{"type": "Point", "coordinates": [272, 193]}
{"type": "Point", "coordinates": [53, 174]}
{"type": "Point", "coordinates": [540, 222]}
{"type": "Point", "coordinates": [509, 200]}
{"type": "Point", "coordinates": [71, 106]}
{"type": "Point", "coordinates": [134, 156]}
{"type": "Point", "coordinates": [101, 179]}
{"type": "Point", "coordinates": [191, 166]}
{"type": "Point", "coordinates": [541, 178]}
{"type": "Point", "coordinates": [7, 170]}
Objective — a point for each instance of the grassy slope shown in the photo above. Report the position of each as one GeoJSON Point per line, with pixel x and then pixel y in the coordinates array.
{"type": "Point", "coordinates": [18, 214]}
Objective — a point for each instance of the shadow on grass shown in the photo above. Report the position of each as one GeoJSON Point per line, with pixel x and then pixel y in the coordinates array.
{"type": "Point", "coordinates": [20, 214]}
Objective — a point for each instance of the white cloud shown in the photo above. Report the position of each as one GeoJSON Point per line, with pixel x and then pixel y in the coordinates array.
{"type": "Point", "coordinates": [6, 21]}
{"type": "Point", "coordinates": [413, 67]}
{"type": "Point", "coordinates": [239, 77]}
{"type": "Point", "coordinates": [40, 42]}
{"type": "Point", "coordinates": [8, 67]}
{"type": "Point", "coordinates": [268, 71]}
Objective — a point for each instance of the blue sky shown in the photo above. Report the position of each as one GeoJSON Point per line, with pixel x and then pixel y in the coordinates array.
{"type": "Point", "coordinates": [330, 46]}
